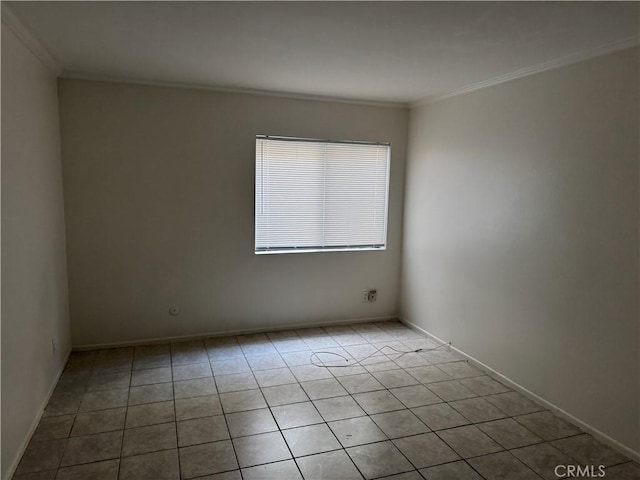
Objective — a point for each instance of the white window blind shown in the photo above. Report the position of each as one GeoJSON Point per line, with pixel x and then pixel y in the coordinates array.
{"type": "Point", "coordinates": [316, 195]}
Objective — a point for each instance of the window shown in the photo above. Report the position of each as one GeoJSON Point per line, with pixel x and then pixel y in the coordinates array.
{"type": "Point", "coordinates": [320, 195]}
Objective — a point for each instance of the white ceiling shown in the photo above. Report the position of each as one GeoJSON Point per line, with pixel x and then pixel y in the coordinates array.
{"type": "Point", "coordinates": [377, 51]}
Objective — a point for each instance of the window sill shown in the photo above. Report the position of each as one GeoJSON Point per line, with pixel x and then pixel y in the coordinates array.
{"type": "Point", "coordinates": [318, 250]}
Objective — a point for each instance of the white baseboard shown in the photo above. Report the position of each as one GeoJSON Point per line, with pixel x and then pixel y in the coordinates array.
{"type": "Point", "coordinates": [604, 438]}
{"type": "Point", "coordinates": [200, 336]}
{"type": "Point", "coordinates": [36, 421]}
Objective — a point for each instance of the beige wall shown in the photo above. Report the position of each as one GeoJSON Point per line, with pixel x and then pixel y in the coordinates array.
{"type": "Point", "coordinates": [34, 279]}
{"type": "Point", "coordinates": [159, 192]}
{"type": "Point", "coordinates": [521, 234]}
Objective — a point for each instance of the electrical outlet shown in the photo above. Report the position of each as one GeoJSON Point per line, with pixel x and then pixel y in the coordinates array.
{"type": "Point", "coordinates": [373, 295]}
{"type": "Point", "coordinates": [369, 296]}
{"type": "Point", "coordinates": [174, 311]}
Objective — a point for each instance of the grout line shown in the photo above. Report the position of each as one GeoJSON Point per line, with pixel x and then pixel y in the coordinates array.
{"type": "Point", "coordinates": [226, 422]}
{"type": "Point", "coordinates": [97, 369]}
{"type": "Point", "coordinates": [175, 414]}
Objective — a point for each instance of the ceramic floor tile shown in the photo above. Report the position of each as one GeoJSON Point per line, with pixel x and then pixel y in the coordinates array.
{"type": "Point", "coordinates": [415, 396]}
{"type": "Point", "coordinates": [330, 465]}
{"type": "Point", "coordinates": [181, 404]}
{"type": "Point", "coordinates": [378, 364]}
{"type": "Point", "coordinates": [400, 423]}
{"type": "Point", "coordinates": [395, 378]}
{"type": "Point", "coordinates": [469, 441]}
{"type": "Point", "coordinates": [409, 360]}
{"type": "Point", "coordinates": [512, 403]}
{"type": "Point", "coordinates": [103, 400]}
{"type": "Point", "coordinates": [425, 450]}
{"type": "Point", "coordinates": [44, 475]}
{"type": "Point", "coordinates": [364, 382]}
{"type": "Point", "coordinates": [151, 376]}
{"type": "Point", "coordinates": [159, 392]}
{"type": "Point", "coordinates": [50, 428]}
{"type": "Point", "coordinates": [236, 382]}
{"type": "Point", "coordinates": [439, 416]}
{"type": "Point", "coordinates": [251, 422]}
{"type": "Point", "coordinates": [191, 371]}
{"type": "Point", "coordinates": [319, 343]}
{"type": "Point", "coordinates": [451, 471]}
{"type": "Point", "coordinates": [109, 381]}
{"type": "Point", "coordinates": [110, 367]}
{"type": "Point", "coordinates": [460, 370]}
{"type": "Point", "coordinates": [150, 414]}
{"type": "Point", "coordinates": [503, 465]}
{"type": "Point", "coordinates": [428, 374]}
{"type": "Point", "coordinates": [284, 394]}
{"type": "Point", "coordinates": [92, 448]}
{"type": "Point", "coordinates": [152, 466]}
{"type": "Point", "coordinates": [233, 475]}
{"type": "Point", "coordinates": [40, 456]}
{"type": "Point", "coordinates": [379, 459]}
{"type": "Point", "coordinates": [378, 402]}
{"type": "Point", "coordinates": [149, 439]}
{"type": "Point", "coordinates": [326, 388]}
{"type": "Point", "coordinates": [286, 469]}
{"type": "Point", "coordinates": [207, 459]}
{"type": "Point", "coordinates": [290, 346]}
{"type": "Point", "coordinates": [99, 421]}
{"type": "Point", "coordinates": [451, 390]}
{"type": "Point", "coordinates": [349, 339]}
{"type": "Point", "coordinates": [483, 385]}
{"type": "Point", "coordinates": [223, 348]}
{"type": "Point", "coordinates": [338, 408]}
{"type": "Point", "coordinates": [266, 362]}
{"type": "Point", "coordinates": [546, 425]}
{"type": "Point", "coordinates": [152, 361]}
{"type": "Point", "coordinates": [542, 459]}
{"type": "Point", "coordinates": [356, 431]}
{"type": "Point", "coordinates": [202, 430]}
{"type": "Point", "coordinates": [509, 433]}
{"type": "Point", "coordinates": [63, 404]}
{"type": "Point", "coordinates": [241, 401]}
{"type": "Point", "coordinates": [477, 410]}
{"type": "Point", "coordinates": [183, 353]}
{"type": "Point", "coordinates": [588, 451]}
{"type": "Point", "coordinates": [441, 356]}
{"type": "Point", "coordinates": [153, 349]}
{"type": "Point", "coordinates": [107, 470]}
{"type": "Point", "coordinates": [277, 376]}
{"type": "Point", "coordinates": [260, 449]}
{"type": "Point", "coordinates": [198, 387]}
{"type": "Point", "coordinates": [258, 349]}
{"type": "Point", "coordinates": [293, 359]}
{"type": "Point", "coordinates": [305, 373]}
{"type": "Point", "coordinates": [296, 415]}
{"type": "Point", "coordinates": [310, 439]}
{"type": "Point", "coordinates": [346, 371]}
{"type": "Point", "coordinates": [230, 367]}
{"type": "Point", "coordinates": [197, 407]}
{"type": "Point", "coordinates": [625, 471]}
{"type": "Point", "coordinates": [414, 475]}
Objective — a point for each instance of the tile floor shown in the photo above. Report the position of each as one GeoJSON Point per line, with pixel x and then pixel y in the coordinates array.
{"type": "Point", "coordinates": [254, 407]}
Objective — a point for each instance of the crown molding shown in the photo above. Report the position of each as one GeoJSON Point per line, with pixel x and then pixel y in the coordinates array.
{"type": "Point", "coordinates": [541, 67]}
{"type": "Point", "coordinates": [245, 91]}
{"type": "Point", "coordinates": [34, 45]}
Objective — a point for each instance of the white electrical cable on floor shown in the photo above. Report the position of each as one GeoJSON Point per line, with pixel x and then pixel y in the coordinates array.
{"type": "Point", "coordinates": [358, 362]}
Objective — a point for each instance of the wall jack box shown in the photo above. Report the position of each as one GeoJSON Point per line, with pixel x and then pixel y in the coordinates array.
{"type": "Point", "coordinates": [369, 296]}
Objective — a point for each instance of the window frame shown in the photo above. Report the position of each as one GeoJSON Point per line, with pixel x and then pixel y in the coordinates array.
{"type": "Point", "coordinates": [316, 249]}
